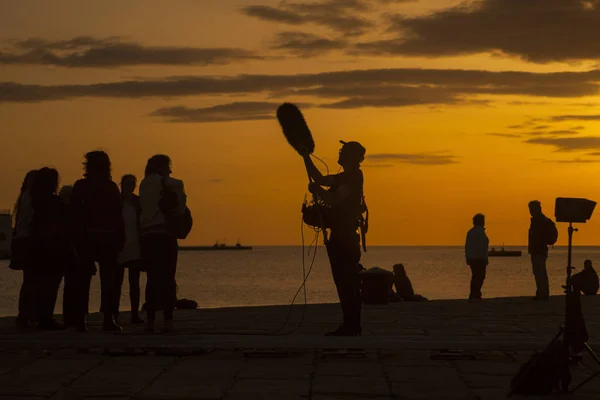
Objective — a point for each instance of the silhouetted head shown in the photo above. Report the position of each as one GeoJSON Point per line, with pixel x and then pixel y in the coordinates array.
{"type": "Point", "coordinates": [479, 220]}
{"type": "Point", "coordinates": [128, 184]}
{"type": "Point", "coordinates": [351, 154]}
{"type": "Point", "coordinates": [535, 208]}
{"type": "Point", "coordinates": [45, 184]}
{"type": "Point", "coordinates": [65, 193]}
{"type": "Point", "coordinates": [97, 165]}
{"type": "Point", "coordinates": [158, 164]}
{"type": "Point", "coordinates": [587, 264]}
{"type": "Point", "coordinates": [399, 270]}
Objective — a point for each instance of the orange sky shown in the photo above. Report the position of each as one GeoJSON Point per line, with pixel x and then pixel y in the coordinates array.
{"type": "Point", "coordinates": [441, 147]}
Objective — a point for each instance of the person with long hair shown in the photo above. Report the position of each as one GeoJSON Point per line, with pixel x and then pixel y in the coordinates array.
{"type": "Point", "coordinates": [159, 245]}
{"type": "Point", "coordinates": [50, 245]}
{"type": "Point", "coordinates": [100, 227]}
{"type": "Point", "coordinates": [21, 250]}
{"type": "Point", "coordinates": [130, 258]}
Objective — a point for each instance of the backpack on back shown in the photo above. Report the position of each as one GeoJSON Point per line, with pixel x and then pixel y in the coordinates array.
{"type": "Point", "coordinates": [178, 225]}
{"type": "Point", "coordinates": [551, 233]}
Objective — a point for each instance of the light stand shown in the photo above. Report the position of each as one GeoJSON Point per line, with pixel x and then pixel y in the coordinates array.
{"type": "Point", "coordinates": [570, 329]}
{"type": "Point", "coordinates": [573, 332]}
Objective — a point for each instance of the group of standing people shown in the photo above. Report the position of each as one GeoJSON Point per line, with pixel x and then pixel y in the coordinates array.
{"type": "Point", "coordinates": [61, 235]}
{"type": "Point", "coordinates": [542, 233]}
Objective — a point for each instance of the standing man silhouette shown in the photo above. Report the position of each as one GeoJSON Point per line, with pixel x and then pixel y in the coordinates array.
{"type": "Point", "coordinates": [476, 254]}
{"type": "Point", "coordinates": [539, 232]}
{"type": "Point", "coordinates": [345, 197]}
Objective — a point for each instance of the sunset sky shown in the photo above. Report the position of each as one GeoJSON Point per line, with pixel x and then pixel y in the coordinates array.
{"type": "Point", "coordinates": [463, 107]}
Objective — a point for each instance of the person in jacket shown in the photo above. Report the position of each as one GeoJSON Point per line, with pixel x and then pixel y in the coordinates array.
{"type": "Point", "coordinates": [130, 258]}
{"type": "Point", "coordinates": [159, 246]}
{"type": "Point", "coordinates": [21, 250]}
{"type": "Point", "coordinates": [345, 197]}
{"type": "Point", "coordinates": [99, 226]}
{"type": "Point", "coordinates": [538, 249]}
{"type": "Point", "coordinates": [51, 247]}
{"type": "Point", "coordinates": [476, 254]}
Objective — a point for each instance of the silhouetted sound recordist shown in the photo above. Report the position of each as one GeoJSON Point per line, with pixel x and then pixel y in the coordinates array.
{"type": "Point", "coordinates": [342, 211]}
{"type": "Point", "coordinates": [586, 281]}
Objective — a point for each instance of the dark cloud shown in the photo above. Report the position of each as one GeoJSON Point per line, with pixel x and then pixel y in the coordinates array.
{"type": "Point", "coordinates": [540, 127]}
{"type": "Point", "coordinates": [412, 158]}
{"type": "Point", "coordinates": [506, 135]}
{"type": "Point", "coordinates": [568, 144]}
{"type": "Point", "coordinates": [516, 126]}
{"type": "Point", "coordinates": [560, 118]}
{"type": "Point", "coordinates": [338, 15]}
{"type": "Point", "coordinates": [238, 111]}
{"type": "Point", "coordinates": [306, 44]}
{"type": "Point", "coordinates": [89, 52]}
{"type": "Point", "coordinates": [594, 154]}
{"type": "Point", "coordinates": [539, 31]}
{"type": "Point", "coordinates": [350, 88]}
{"type": "Point", "coordinates": [574, 161]}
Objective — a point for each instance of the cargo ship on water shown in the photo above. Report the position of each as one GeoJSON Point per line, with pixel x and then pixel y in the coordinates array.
{"type": "Point", "coordinates": [215, 247]}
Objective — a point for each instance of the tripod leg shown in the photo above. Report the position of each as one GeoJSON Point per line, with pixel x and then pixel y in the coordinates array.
{"type": "Point", "coordinates": [533, 364]}
{"type": "Point", "coordinates": [595, 357]}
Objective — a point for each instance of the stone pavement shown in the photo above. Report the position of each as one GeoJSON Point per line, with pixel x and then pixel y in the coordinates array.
{"type": "Point", "coordinates": [217, 354]}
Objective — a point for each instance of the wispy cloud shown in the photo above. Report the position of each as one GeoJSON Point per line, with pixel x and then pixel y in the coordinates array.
{"type": "Point", "coordinates": [91, 52]}
{"type": "Point", "coordinates": [350, 89]}
{"type": "Point", "coordinates": [237, 111]}
{"type": "Point", "coordinates": [506, 135]}
{"type": "Point", "coordinates": [306, 44]}
{"type": "Point", "coordinates": [339, 15]}
{"type": "Point", "coordinates": [412, 158]}
{"type": "Point", "coordinates": [568, 144]}
{"type": "Point", "coordinates": [560, 118]}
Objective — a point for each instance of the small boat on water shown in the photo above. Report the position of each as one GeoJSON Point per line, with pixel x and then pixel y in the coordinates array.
{"type": "Point", "coordinates": [504, 253]}
{"type": "Point", "coordinates": [216, 246]}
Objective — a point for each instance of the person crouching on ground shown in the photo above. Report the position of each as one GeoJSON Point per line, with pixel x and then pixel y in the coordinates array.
{"type": "Point", "coordinates": [586, 281]}
{"type": "Point", "coordinates": [476, 253]}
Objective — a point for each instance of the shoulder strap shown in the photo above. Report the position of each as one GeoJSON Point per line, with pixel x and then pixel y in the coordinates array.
{"type": "Point", "coordinates": [364, 224]}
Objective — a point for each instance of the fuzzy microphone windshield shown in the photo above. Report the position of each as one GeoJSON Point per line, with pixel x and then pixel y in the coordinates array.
{"type": "Point", "coordinates": [294, 128]}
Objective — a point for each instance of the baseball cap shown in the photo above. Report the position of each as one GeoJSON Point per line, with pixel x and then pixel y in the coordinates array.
{"type": "Point", "coordinates": [355, 147]}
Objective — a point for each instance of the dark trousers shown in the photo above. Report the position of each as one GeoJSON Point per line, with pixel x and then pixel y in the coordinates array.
{"type": "Point", "coordinates": [344, 257]}
{"type": "Point", "coordinates": [27, 307]}
{"type": "Point", "coordinates": [540, 273]}
{"type": "Point", "coordinates": [76, 293]}
{"type": "Point", "coordinates": [134, 268]}
{"type": "Point", "coordinates": [102, 248]}
{"type": "Point", "coordinates": [46, 284]}
{"type": "Point", "coordinates": [159, 255]}
{"type": "Point", "coordinates": [478, 270]}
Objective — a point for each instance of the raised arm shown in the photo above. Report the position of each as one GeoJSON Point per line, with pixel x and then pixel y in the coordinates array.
{"type": "Point", "coordinates": [315, 174]}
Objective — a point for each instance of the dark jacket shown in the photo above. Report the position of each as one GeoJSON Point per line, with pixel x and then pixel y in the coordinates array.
{"type": "Point", "coordinates": [96, 207]}
{"type": "Point", "coordinates": [537, 235]}
{"type": "Point", "coordinates": [346, 215]}
{"type": "Point", "coordinates": [51, 243]}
